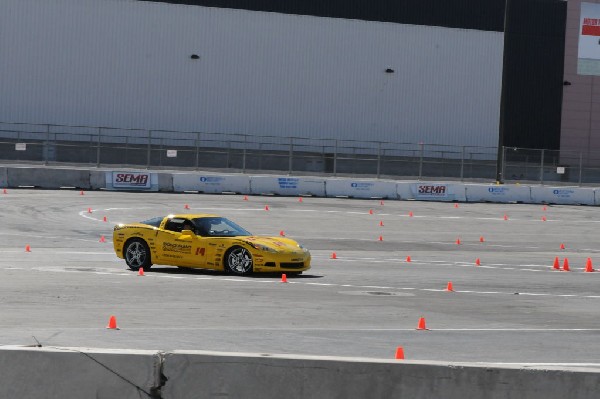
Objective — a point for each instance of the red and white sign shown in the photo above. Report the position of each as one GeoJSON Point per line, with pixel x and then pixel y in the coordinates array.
{"type": "Point", "coordinates": [131, 180]}
{"type": "Point", "coordinates": [588, 58]}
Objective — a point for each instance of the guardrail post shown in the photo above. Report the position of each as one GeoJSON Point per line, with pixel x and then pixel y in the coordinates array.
{"type": "Point", "coordinates": [197, 150]}
{"type": "Point", "coordinates": [244, 154]}
{"type": "Point", "coordinates": [421, 160]}
{"type": "Point", "coordinates": [291, 157]}
{"type": "Point", "coordinates": [46, 150]}
{"type": "Point", "coordinates": [98, 147]}
{"type": "Point", "coordinates": [149, 150]}
{"type": "Point", "coordinates": [335, 151]}
{"type": "Point", "coordinates": [378, 159]}
{"type": "Point", "coordinates": [542, 168]}
{"type": "Point", "coordinates": [462, 164]}
{"type": "Point", "coordinates": [580, 167]}
{"type": "Point", "coordinates": [503, 163]}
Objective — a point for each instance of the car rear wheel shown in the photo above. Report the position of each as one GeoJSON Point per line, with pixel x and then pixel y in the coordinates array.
{"type": "Point", "coordinates": [238, 261]}
{"type": "Point", "coordinates": [137, 254]}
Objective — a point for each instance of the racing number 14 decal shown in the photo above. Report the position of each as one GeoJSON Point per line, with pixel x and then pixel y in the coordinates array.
{"type": "Point", "coordinates": [200, 251]}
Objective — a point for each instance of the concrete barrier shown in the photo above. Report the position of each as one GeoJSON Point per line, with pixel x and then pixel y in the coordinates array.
{"type": "Point", "coordinates": [429, 191]}
{"type": "Point", "coordinates": [74, 373]}
{"type": "Point", "coordinates": [212, 374]}
{"type": "Point", "coordinates": [211, 184]}
{"type": "Point", "coordinates": [498, 193]}
{"type": "Point", "coordinates": [97, 179]}
{"type": "Point", "coordinates": [165, 182]}
{"type": "Point", "coordinates": [563, 195]}
{"type": "Point", "coordinates": [47, 177]}
{"type": "Point", "coordinates": [355, 188]}
{"type": "Point", "coordinates": [286, 185]}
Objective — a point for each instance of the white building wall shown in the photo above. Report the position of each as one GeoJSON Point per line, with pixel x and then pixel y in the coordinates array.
{"type": "Point", "coordinates": [127, 64]}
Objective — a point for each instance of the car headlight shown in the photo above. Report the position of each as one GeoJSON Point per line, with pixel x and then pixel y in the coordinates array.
{"type": "Point", "coordinates": [263, 248]}
{"type": "Point", "coordinates": [303, 248]}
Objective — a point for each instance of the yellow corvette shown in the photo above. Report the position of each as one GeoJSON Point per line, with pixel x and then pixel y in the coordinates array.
{"type": "Point", "coordinates": [208, 242]}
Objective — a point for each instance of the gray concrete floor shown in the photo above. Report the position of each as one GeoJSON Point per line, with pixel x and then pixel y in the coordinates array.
{"type": "Point", "coordinates": [514, 308]}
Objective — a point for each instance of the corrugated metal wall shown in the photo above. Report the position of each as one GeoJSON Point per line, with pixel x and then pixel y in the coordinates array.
{"type": "Point", "coordinates": [127, 64]}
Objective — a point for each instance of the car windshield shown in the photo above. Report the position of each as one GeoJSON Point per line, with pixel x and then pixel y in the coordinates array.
{"type": "Point", "coordinates": [218, 227]}
{"type": "Point", "coordinates": [154, 221]}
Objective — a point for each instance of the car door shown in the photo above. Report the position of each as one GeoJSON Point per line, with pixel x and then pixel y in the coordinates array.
{"type": "Point", "coordinates": [178, 247]}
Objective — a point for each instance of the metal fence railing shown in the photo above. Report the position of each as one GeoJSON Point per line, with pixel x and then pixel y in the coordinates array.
{"type": "Point", "coordinates": [140, 148]}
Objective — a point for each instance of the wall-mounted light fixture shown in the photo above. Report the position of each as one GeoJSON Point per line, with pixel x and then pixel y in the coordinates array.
{"type": "Point", "coordinates": [389, 70]}
{"type": "Point", "coordinates": [195, 57]}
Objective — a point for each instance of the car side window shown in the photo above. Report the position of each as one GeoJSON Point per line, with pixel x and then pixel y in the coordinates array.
{"type": "Point", "coordinates": [175, 225]}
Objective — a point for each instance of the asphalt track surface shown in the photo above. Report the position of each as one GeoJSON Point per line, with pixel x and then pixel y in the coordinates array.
{"type": "Point", "coordinates": [513, 308]}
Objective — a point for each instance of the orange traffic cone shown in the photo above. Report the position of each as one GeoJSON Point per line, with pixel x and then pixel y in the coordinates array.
{"type": "Point", "coordinates": [449, 287]}
{"type": "Point", "coordinates": [477, 262]}
{"type": "Point", "coordinates": [112, 323]}
{"type": "Point", "coordinates": [566, 265]}
{"type": "Point", "coordinates": [102, 239]}
{"type": "Point", "coordinates": [300, 199]}
{"type": "Point", "coordinates": [381, 223]}
{"type": "Point", "coordinates": [266, 207]}
{"type": "Point", "coordinates": [456, 205]}
{"type": "Point", "coordinates": [186, 206]}
{"type": "Point", "coordinates": [544, 208]}
{"type": "Point", "coordinates": [505, 216]}
{"type": "Point", "coordinates": [333, 255]}
{"type": "Point", "coordinates": [380, 238]}
{"type": "Point", "coordinates": [81, 193]}
{"type": "Point", "coordinates": [410, 214]}
{"type": "Point", "coordinates": [481, 239]}
{"type": "Point", "coordinates": [245, 198]}
{"type": "Point", "coordinates": [104, 219]}
{"type": "Point", "coordinates": [543, 218]}
{"type": "Point", "coordinates": [381, 202]}
{"type": "Point", "coordinates": [556, 265]}
{"type": "Point", "coordinates": [399, 353]}
{"type": "Point", "coordinates": [588, 265]}
{"type": "Point", "coordinates": [281, 233]}
{"type": "Point", "coordinates": [283, 278]}
{"type": "Point", "coordinates": [141, 271]}
{"type": "Point", "coordinates": [458, 241]}
{"type": "Point", "coordinates": [27, 248]}
{"type": "Point", "coordinates": [562, 246]}
{"type": "Point", "coordinates": [421, 325]}
{"type": "Point", "coordinates": [370, 211]}
{"type": "Point", "coordinates": [408, 259]}
{"type": "Point", "coordinates": [89, 210]}
{"type": "Point", "coordinates": [4, 191]}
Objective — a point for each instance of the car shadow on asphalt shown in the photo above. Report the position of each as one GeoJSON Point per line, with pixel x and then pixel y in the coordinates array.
{"type": "Point", "coordinates": [207, 272]}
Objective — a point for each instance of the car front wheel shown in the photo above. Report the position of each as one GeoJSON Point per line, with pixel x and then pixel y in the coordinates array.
{"type": "Point", "coordinates": [137, 254]}
{"type": "Point", "coordinates": [238, 261]}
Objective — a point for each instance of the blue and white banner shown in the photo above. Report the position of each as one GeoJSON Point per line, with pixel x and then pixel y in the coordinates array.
{"type": "Point", "coordinates": [286, 185]}
{"type": "Point", "coordinates": [212, 184]}
{"type": "Point", "coordinates": [563, 195]}
{"type": "Point", "coordinates": [498, 193]}
{"type": "Point", "coordinates": [361, 188]}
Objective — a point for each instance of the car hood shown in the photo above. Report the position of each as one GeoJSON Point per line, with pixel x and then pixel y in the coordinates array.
{"type": "Point", "coordinates": [278, 243]}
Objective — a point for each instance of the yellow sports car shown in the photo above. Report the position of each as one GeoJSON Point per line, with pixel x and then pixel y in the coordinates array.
{"type": "Point", "coordinates": [208, 242]}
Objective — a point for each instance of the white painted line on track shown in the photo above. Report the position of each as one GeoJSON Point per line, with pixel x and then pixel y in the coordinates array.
{"type": "Point", "coordinates": [244, 280]}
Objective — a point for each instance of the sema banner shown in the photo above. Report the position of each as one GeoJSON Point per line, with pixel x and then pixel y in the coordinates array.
{"type": "Point", "coordinates": [438, 191]}
{"type": "Point", "coordinates": [131, 180]}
